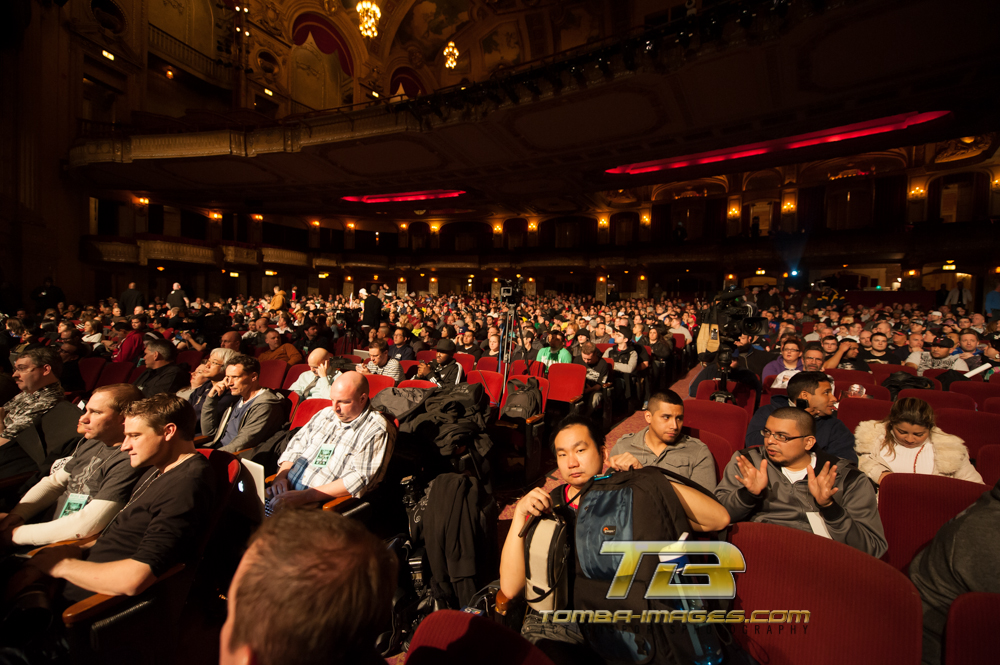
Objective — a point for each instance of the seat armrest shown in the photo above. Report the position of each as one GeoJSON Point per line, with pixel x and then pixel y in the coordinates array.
{"type": "Point", "coordinates": [15, 481]}
{"type": "Point", "coordinates": [501, 603]}
{"type": "Point", "coordinates": [535, 418]}
{"type": "Point", "coordinates": [99, 603]}
{"type": "Point", "coordinates": [79, 542]}
{"type": "Point", "coordinates": [270, 479]}
{"type": "Point", "coordinates": [202, 439]}
{"type": "Point", "coordinates": [341, 504]}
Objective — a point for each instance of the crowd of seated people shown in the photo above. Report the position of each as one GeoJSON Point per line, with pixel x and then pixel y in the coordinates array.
{"type": "Point", "coordinates": [133, 470]}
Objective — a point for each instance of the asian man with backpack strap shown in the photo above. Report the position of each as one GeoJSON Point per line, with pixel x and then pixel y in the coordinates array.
{"type": "Point", "coordinates": [591, 509]}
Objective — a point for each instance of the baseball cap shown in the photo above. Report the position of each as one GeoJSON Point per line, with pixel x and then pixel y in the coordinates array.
{"type": "Point", "coordinates": [362, 292]}
{"type": "Point", "coordinates": [946, 342]}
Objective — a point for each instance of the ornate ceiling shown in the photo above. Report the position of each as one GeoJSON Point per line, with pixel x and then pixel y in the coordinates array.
{"type": "Point", "coordinates": [549, 152]}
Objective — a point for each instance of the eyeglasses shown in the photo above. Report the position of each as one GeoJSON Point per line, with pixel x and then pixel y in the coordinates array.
{"type": "Point", "coordinates": [216, 363]}
{"type": "Point", "coordinates": [780, 437]}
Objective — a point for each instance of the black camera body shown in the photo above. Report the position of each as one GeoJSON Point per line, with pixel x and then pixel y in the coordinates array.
{"type": "Point", "coordinates": [511, 291]}
{"type": "Point", "coordinates": [734, 318]}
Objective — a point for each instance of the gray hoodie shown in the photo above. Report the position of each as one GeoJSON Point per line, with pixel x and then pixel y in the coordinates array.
{"type": "Point", "coordinates": [852, 519]}
{"type": "Point", "coordinates": [265, 416]}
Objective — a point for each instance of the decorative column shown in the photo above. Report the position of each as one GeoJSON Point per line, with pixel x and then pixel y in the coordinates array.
{"type": "Point", "coordinates": [314, 234]}
{"type": "Point", "coordinates": [995, 193]}
{"type": "Point", "coordinates": [642, 287]}
{"type": "Point", "coordinates": [349, 236]}
{"type": "Point", "coordinates": [916, 197]}
{"type": "Point", "coordinates": [530, 287]}
{"type": "Point", "coordinates": [645, 225]}
{"type": "Point", "coordinates": [255, 230]}
{"type": "Point", "coordinates": [432, 287]}
{"type": "Point", "coordinates": [498, 235]}
{"type": "Point", "coordinates": [532, 233]}
{"type": "Point", "coordinates": [348, 286]}
{"type": "Point", "coordinates": [603, 229]}
{"type": "Point", "coordinates": [789, 206]}
{"type": "Point", "coordinates": [495, 288]}
{"type": "Point", "coordinates": [435, 239]}
{"type": "Point", "coordinates": [601, 292]}
{"type": "Point", "coordinates": [403, 236]}
{"type": "Point", "coordinates": [401, 287]}
{"type": "Point", "coordinates": [733, 216]}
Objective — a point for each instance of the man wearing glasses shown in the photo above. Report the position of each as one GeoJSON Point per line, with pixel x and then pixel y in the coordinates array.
{"type": "Point", "coordinates": [213, 371]}
{"type": "Point", "coordinates": [37, 373]}
{"type": "Point", "coordinates": [789, 481]}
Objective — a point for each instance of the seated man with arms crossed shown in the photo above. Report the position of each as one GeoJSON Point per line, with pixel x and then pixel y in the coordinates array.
{"type": "Point", "coordinates": [162, 524]}
{"type": "Point", "coordinates": [341, 451]}
{"type": "Point", "coordinates": [87, 489]}
{"type": "Point", "coordinates": [788, 481]}
{"type": "Point", "coordinates": [252, 419]}
{"type": "Point", "coordinates": [285, 573]}
{"type": "Point", "coordinates": [662, 443]}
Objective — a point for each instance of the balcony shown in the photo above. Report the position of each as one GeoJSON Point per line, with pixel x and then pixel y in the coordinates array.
{"type": "Point", "coordinates": [174, 50]}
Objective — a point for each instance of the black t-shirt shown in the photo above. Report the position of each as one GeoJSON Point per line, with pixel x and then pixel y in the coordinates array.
{"type": "Point", "coordinates": [164, 522]}
{"type": "Point", "coordinates": [101, 472]}
{"type": "Point", "coordinates": [596, 373]}
{"type": "Point", "coordinates": [854, 363]}
{"type": "Point", "coordinates": [887, 358]}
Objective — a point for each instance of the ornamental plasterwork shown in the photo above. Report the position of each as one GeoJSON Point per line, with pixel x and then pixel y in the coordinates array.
{"type": "Point", "coordinates": [239, 255]}
{"type": "Point", "coordinates": [284, 256]}
{"type": "Point", "coordinates": [116, 252]}
{"type": "Point", "coordinates": [174, 251]}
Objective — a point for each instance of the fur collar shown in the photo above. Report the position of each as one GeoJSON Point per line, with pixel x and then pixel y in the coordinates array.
{"type": "Point", "coordinates": [950, 452]}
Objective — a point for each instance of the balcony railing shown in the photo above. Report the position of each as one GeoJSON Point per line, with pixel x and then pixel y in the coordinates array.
{"type": "Point", "coordinates": [183, 55]}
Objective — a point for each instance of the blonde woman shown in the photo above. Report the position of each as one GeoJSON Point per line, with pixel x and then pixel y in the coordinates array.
{"type": "Point", "coordinates": [908, 442]}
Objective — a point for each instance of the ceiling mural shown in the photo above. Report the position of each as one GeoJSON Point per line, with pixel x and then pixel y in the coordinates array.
{"type": "Point", "coordinates": [502, 46]}
{"type": "Point", "coordinates": [577, 27]}
{"type": "Point", "coordinates": [429, 25]}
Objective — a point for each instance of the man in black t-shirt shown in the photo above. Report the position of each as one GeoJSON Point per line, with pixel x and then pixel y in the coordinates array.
{"type": "Point", "coordinates": [597, 374]}
{"type": "Point", "coordinates": [165, 521]}
{"type": "Point", "coordinates": [85, 491]}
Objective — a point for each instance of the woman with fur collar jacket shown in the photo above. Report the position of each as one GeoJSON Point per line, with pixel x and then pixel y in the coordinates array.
{"type": "Point", "coordinates": [908, 442]}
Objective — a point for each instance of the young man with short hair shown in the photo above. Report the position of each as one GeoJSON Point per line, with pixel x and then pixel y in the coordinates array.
{"type": "Point", "coordinates": [162, 374]}
{"type": "Point", "coordinates": [88, 488]}
{"type": "Point", "coordinates": [814, 391]}
{"type": "Point", "coordinates": [162, 524]}
{"type": "Point", "coordinates": [380, 363]}
{"type": "Point", "coordinates": [787, 481]}
{"type": "Point", "coordinates": [258, 413]}
{"type": "Point", "coordinates": [662, 443]}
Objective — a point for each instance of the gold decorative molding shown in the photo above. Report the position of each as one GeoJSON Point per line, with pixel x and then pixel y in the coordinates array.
{"type": "Point", "coordinates": [287, 257]}
{"type": "Point", "coordinates": [242, 255]}
{"type": "Point", "coordinates": [175, 251]}
{"type": "Point", "coordinates": [116, 252]}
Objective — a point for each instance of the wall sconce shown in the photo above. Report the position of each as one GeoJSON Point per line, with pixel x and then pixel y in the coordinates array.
{"type": "Point", "coordinates": [761, 271]}
{"type": "Point", "coordinates": [912, 273]}
{"type": "Point", "coordinates": [402, 280]}
{"type": "Point", "coordinates": [600, 279]}
{"type": "Point", "coordinates": [531, 279]}
{"type": "Point", "coordinates": [315, 222]}
{"type": "Point", "coordinates": [788, 207]}
{"type": "Point", "coordinates": [602, 222]}
{"type": "Point", "coordinates": [470, 281]}
{"type": "Point", "coordinates": [375, 278]}
{"type": "Point", "coordinates": [532, 226]}
{"type": "Point", "coordinates": [917, 193]}
{"type": "Point", "coordinates": [497, 229]}
{"type": "Point", "coordinates": [642, 278]}
{"type": "Point", "coordinates": [949, 266]}
{"type": "Point", "coordinates": [845, 265]}
{"type": "Point", "coordinates": [730, 276]}
{"type": "Point", "coordinates": [496, 279]}
{"type": "Point", "coordinates": [160, 268]}
{"type": "Point", "coordinates": [257, 218]}
{"type": "Point", "coordinates": [402, 227]}
{"type": "Point", "coordinates": [215, 215]}
{"type": "Point", "coordinates": [323, 275]}
{"type": "Point", "coordinates": [518, 275]}
{"type": "Point", "coordinates": [995, 184]}
{"type": "Point", "coordinates": [784, 275]}
{"type": "Point", "coordinates": [435, 228]}
{"type": "Point", "coordinates": [142, 201]}
{"type": "Point", "coordinates": [626, 272]}
{"type": "Point", "coordinates": [233, 274]}
{"type": "Point", "coordinates": [734, 213]}
{"type": "Point", "coordinates": [350, 225]}
{"type": "Point", "coordinates": [644, 220]}
{"type": "Point", "coordinates": [471, 276]}
{"type": "Point", "coordinates": [141, 206]}
{"type": "Point", "coordinates": [434, 279]}
{"type": "Point", "coordinates": [270, 273]}
{"type": "Point", "coordinates": [997, 270]}
{"type": "Point", "coordinates": [109, 55]}
{"type": "Point", "coordinates": [347, 279]}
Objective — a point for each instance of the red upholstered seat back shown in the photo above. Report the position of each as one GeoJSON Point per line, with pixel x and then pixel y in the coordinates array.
{"type": "Point", "coordinates": [728, 421]}
{"type": "Point", "coordinates": [939, 399]}
{"type": "Point", "coordinates": [450, 637]}
{"type": "Point", "coordinates": [970, 637]}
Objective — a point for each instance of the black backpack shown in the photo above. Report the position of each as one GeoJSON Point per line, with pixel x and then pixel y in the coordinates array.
{"type": "Point", "coordinates": [633, 505]}
{"type": "Point", "coordinates": [902, 380]}
{"type": "Point", "coordinates": [524, 399]}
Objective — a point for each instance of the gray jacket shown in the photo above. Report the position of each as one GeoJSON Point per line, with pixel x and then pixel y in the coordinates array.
{"type": "Point", "coordinates": [688, 457]}
{"type": "Point", "coordinates": [265, 416]}
{"type": "Point", "coordinates": [852, 519]}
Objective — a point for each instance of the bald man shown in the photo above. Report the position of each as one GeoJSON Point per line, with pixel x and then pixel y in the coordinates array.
{"type": "Point", "coordinates": [231, 340]}
{"type": "Point", "coordinates": [315, 384]}
{"type": "Point", "coordinates": [343, 450]}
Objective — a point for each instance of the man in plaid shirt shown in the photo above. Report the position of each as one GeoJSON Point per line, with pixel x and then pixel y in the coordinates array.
{"type": "Point", "coordinates": [343, 450]}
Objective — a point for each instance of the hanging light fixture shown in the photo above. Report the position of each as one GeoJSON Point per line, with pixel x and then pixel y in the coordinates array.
{"type": "Point", "coordinates": [450, 55]}
{"type": "Point", "coordinates": [369, 13]}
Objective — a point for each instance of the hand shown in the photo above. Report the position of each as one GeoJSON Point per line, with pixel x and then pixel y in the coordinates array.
{"type": "Point", "coordinates": [755, 480]}
{"type": "Point", "coordinates": [291, 499]}
{"type": "Point", "coordinates": [50, 557]}
{"type": "Point", "coordinates": [966, 355]}
{"type": "Point", "coordinates": [323, 368]}
{"type": "Point", "coordinates": [278, 487]}
{"type": "Point", "coordinates": [535, 502]}
{"type": "Point", "coordinates": [624, 462]}
{"type": "Point", "coordinates": [821, 486]}
{"type": "Point", "coordinates": [219, 388]}
{"type": "Point", "coordinates": [423, 369]}
{"type": "Point", "coordinates": [362, 368]}
{"type": "Point", "coordinates": [9, 522]}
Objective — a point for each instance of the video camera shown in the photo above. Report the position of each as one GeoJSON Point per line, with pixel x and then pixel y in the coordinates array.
{"type": "Point", "coordinates": [727, 318]}
{"type": "Point", "coordinates": [511, 292]}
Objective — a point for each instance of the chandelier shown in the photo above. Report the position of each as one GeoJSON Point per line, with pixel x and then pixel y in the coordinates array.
{"type": "Point", "coordinates": [369, 13]}
{"type": "Point", "coordinates": [450, 55]}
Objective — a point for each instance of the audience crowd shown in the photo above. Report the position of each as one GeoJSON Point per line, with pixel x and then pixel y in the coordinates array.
{"type": "Point", "coordinates": [134, 493]}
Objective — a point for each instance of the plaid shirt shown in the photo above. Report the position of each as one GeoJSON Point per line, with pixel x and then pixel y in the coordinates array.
{"type": "Point", "coordinates": [25, 408]}
{"type": "Point", "coordinates": [360, 447]}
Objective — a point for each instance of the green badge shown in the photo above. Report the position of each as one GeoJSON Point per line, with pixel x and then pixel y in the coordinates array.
{"type": "Point", "coordinates": [324, 455]}
{"type": "Point", "coordinates": [74, 504]}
